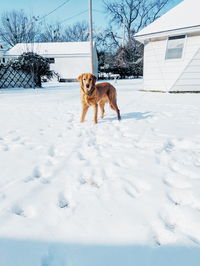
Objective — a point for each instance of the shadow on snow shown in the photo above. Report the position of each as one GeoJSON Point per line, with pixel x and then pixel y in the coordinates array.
{"type": "Point", "coordinates": [134, 115]}
{"type": "Point", "coordinates": [15, 252]}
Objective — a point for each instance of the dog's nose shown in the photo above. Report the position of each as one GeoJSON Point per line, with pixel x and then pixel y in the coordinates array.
{"type": "Point", "coordinates": [87, 85]}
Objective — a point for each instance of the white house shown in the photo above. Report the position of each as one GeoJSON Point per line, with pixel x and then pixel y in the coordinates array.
{"type": "Point", "coordinates": [68, 59]}
{"type": "Point", "coordinates": [172, 49]}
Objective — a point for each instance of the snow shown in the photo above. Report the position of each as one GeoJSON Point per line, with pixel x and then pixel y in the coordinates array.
{"type": "Point", "coordinates": [116, 193]}
{"type": "Point", "coordinates": [174, 19]}
{"type": "Point", "coordinates": [52, 48]}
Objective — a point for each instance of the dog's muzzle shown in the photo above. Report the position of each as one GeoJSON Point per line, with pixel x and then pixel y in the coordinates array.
{"type": "Point", "coordinates": [89, 93]}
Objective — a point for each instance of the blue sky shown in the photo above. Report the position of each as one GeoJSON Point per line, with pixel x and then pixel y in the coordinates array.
{"type": "Point", "coordinates": [66, 12]}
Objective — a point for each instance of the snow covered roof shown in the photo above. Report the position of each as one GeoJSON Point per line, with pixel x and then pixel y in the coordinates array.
{"type": "Point", "coordinates": [183, 18]}
{"type": "Point", "coordinates": [52, 48]}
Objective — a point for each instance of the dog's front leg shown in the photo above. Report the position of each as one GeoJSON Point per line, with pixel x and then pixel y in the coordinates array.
{"type": "Point", "coordinates": [84, 111]}
{"type": "Point", "coordinates": [95, 113]}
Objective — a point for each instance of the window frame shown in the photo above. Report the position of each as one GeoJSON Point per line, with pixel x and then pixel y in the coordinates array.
{"type": "Point", "coordinates": [51, 61]}
{"type": "Point", "coordinates": [173, 37]}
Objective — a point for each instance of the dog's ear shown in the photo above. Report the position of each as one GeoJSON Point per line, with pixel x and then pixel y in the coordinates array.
{"type": "Point", "coordinates": [80, 77]}
{"type": "Point", "coordinates": [94, 79]}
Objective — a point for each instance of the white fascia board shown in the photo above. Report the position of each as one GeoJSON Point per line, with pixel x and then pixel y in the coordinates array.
{"type": "Point", "coordinates": [143, 38]}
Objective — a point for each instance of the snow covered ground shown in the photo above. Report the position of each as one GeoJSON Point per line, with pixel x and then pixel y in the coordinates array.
{"type": "Point", "coordinates": [113, 194]}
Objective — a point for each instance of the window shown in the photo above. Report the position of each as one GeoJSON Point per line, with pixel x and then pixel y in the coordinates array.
{"type": "Point", "coordinates": [51, 60]}
{"type": "Point", "coordinates": [175, 46]}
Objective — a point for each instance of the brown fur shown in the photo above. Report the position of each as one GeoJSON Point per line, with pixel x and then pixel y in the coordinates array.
{"type": "Point", "coordinates": [93, 94]}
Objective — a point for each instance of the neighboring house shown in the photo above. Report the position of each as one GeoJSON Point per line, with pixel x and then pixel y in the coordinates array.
{"type": "Point", "coordinates": [68, 59]}
{"type": "Point", "coordinates": [172, 49]}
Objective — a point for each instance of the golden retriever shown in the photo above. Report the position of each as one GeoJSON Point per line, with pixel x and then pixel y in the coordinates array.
{"type": "Point", "coordinates": [94, 94]}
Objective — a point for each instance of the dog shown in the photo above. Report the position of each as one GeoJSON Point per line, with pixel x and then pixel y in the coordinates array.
{"type": "Point", "coordinates": [93, 94]}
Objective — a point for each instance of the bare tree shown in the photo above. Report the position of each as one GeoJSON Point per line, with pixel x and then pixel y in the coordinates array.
{"type": "Point", "coordinates": [78, 32]}
{"type": "Point", "coordinates": [107, 39]}
{"type": "Point", "coordinates": [17, 27]}
{"type": "Point", "coordinates": [131, 15]}
{"type": "Point", "coordinates": [52, 33]}
{"type": "Point", "coordinates": [126, 18]}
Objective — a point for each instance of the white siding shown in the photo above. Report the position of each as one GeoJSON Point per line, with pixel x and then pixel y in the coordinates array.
{"type": "Point", "coordinates": [189, 80]}
{"type": "Point", "coordinates": [71, 67]}
{"type": "Point", "coordinates": [161, 74]}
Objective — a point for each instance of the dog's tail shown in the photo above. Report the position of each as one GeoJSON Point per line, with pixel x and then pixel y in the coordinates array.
{"type": "Point", "coordinates": [112, 96]}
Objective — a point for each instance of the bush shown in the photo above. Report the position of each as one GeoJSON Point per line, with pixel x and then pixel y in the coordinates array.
{"type": "Point", "coordinates": [34, 64]}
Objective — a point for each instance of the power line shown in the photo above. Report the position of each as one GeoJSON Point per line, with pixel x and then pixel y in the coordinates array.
{"type": "Point", "coordinates": [30, 25]}
{"type": "Point", "coordinates": [53, 10]}
{"type": "Point", "coordinates": [76, 15]}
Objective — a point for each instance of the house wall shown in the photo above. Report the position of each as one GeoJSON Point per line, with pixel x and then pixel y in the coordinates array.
{"type": "Point", "coordinates": [71, 67]}
{"type": "Point", "coordinates": [161, 74]}
{"type": "Point", "coordinates": [189, 80]}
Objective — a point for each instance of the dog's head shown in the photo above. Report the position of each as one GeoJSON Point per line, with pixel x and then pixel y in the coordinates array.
{"type": "Point", "coordinates": [87, 82]}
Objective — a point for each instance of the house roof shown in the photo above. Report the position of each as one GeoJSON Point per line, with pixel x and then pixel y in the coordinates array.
{"type": "Point", "coordinates": [184, 17]}
{"type": "Point", "coordinates": [53, 48]}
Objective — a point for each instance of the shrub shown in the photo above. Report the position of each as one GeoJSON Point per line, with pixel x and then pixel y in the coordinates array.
{"type": "Point", "coordinates": [34, 64]}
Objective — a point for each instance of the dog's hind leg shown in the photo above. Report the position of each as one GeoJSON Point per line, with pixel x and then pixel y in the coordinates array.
{"type": "Point", "coordinates": [114, 106]}
{"type": "Point", "coordinates": [113, 102]}
{"type": "Point", "coordinates": [101, 104]}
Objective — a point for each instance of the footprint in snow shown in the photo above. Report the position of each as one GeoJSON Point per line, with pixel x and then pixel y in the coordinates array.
{"type": "Point", "coordinates": [17, 210]}
{"type": "Point", "coordinates": [167, 224]}
{"type": "Point", "coordinates": [41, 173]}
{"type": "Point", "coordinates": [4, 147]}
{"type": "Point", "coordinates": [172, 200]}
{"type": "Point", "coordinates": [51, 151]}
{"type": "Point", "coordinates": [15, 139]}
{"type": "Point", "coordinates": [132, 190]}
{"type": "Point", "coordinates": [168, 146]}
{"type": "Point", "coordinates": [36, 174]}
{"type": "Point", "coordinates": [184, 198]}
{"type": "Point", "coordinates": [82, 181]}
{"type": "Point", "coordinates": [156, 241]}
{"type": "Point", "coordinates": [193, 239]}
{"type": "Point", "coordinates": [62, 201]}
{"type": "Point", "coordinates": [176, 181]}
{"type": "Point", "coordinates": [135, 188]}
{"type": "Point", "coordinates": [183, 170]}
